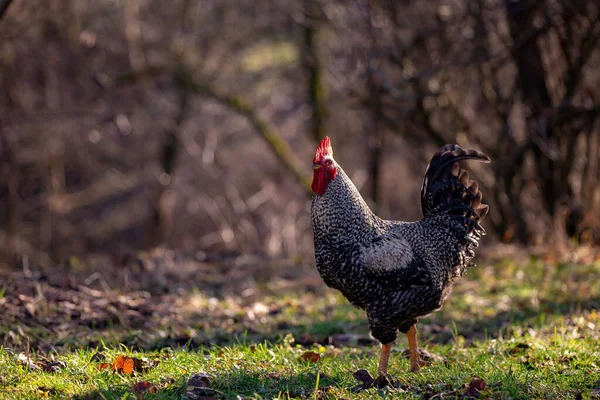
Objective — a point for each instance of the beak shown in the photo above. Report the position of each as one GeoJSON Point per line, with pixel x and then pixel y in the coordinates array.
{"type": "Point", "coordinates": [316, 167]}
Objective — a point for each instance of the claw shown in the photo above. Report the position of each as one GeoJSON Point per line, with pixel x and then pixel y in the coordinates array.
{"type": "Point", "coordinates": [416, 366]}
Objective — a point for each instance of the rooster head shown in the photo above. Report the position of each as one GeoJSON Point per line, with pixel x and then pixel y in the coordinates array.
{"type": "Point", "coordinates": [324, 166]}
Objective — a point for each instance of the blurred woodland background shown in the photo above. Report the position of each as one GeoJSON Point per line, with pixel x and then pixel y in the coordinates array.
{"type": "Point", "coordinates": [191, 124]}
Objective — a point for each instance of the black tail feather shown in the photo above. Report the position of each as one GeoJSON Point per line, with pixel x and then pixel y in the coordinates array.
{"type": "Point", "coordinates": [449, 189]}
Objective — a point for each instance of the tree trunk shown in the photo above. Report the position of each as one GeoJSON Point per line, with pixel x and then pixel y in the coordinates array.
{"type": "Point", "coordinates": [312, 64]}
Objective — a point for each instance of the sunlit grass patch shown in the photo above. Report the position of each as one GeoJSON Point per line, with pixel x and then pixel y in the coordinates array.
{"type": "Point", "coordinates": [528, 329]}
{"type": "Point", "coordinates": [527, 367]}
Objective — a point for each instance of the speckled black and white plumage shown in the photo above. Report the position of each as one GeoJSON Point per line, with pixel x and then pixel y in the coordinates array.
{"type": "Point", "coordinates": [399, 271]}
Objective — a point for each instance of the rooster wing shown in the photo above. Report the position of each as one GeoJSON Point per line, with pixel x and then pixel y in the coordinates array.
{"type": "Point", "coordinates": [392, 261]}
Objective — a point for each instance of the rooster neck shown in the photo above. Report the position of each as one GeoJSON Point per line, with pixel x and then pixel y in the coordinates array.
{"type": "Point", "coordinates": [341, 216]}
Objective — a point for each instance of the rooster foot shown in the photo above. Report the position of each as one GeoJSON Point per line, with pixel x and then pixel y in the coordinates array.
{"type": "Point", "coordinates": [417, 366]}
{"type": "Point", "coordinates": [424, 359]}
{"type": "Point", "coordinates": [426, 356]}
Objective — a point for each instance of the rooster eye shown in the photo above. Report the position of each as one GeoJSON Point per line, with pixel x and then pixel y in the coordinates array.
{"type": "Point", "coordinates": [328, 162]}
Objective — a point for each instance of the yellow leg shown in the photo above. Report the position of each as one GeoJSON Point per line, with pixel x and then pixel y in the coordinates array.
{"type": "Point", "coordinates": [384, 358]}
{"type": "Point", "coordinates": [413, 347]}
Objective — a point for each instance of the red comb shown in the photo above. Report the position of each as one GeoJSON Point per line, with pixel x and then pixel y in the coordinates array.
{"type": "Point", "coordinates": [323, 150]}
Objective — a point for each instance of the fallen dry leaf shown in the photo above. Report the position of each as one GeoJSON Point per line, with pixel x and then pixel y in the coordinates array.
{"type": "Point", "coordinates": [146, 386]}
{"type": "Point", "coordinates": [26, 361]}
{"type": "Point", "coordinates": [123, 364]}
{"type": "Point", "coordinates": [55, 366]}
{"type": "Point", "coordinates": [475, 388]}
{"type": "Point", "coordinates": [362, 375]}
{"type": "Point", "coordinates": [103, 366]}
{"type": "Point", "coordinates": [98, 356]}
{"type": "Point", "coordinates": [310, 356]}
{"type": "Point", "coordinates": [128, 365]}
{"type": "Point", "coordinates": [142, 387]}
{"type": "Point", "coordinates": [367, 381]}
{"type": "Point", "coordinates": [198, 387]}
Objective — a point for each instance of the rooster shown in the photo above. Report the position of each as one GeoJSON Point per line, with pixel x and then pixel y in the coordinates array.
{"type": "Point", "coordinates": [396, 271]}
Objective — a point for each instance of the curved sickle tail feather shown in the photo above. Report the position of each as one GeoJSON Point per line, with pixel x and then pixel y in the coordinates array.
{"type": "Point", "coordinates": [447, 189]}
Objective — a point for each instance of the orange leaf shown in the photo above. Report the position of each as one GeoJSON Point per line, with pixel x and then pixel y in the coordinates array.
{"type": "Point", "coordinates": [310, 356]}
{"type": "Point", "coordinates": [118, 363]}
{"type": "Point", "coordinates": [128, 366]}
{"type": "Point", "coordinates": [103, 366]}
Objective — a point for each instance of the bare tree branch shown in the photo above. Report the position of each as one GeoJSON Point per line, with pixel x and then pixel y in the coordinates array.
{"type": "Point", "coordinates": [273, 138]}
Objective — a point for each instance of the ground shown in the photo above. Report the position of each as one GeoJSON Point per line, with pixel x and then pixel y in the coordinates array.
{"type": "Point", "coordinates": [516, 326]}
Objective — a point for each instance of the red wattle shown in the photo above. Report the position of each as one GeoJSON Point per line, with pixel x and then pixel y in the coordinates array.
{"type": "Point", "coordinates": [321, 179]}
{"type": "Point", "coordinates": [319, 183]}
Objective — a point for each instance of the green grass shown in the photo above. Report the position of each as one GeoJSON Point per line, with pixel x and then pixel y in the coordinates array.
{"type": "Point", "coordinates": [530, 329]}
{"type": "Point", "coordinates": [525, 368]}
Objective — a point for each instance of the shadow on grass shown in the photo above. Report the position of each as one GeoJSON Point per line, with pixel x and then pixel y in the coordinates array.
{"type": "Point", "coordinates": [76, 317]}
{"type": "Point", "coordinates": [230, 385]}
{"type": "Point", "coordinates": [354, 332]}
{"type": "Point", "coordinates": [109, 393]}
{"type": "Point", "coordinates": [440, 328]}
